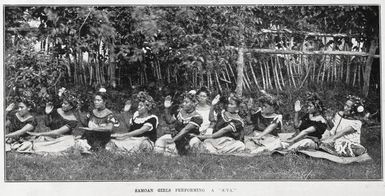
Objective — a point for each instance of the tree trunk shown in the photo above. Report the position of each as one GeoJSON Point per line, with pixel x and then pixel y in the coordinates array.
{"type": "Point", "coordinates": [112, 66]}
{"type": "Point", "coordinates": [323, 71]}
{"type": "Point", "coordinates": [347, 70]}
{"type": "Point", "coordinates": [368, 66]}
{"type": "Point", "coordinates": [240, 67]}
{"type": "Point", "coordinates": [313, 62]}
{"type": "Point", "coordinates": [354, 74]}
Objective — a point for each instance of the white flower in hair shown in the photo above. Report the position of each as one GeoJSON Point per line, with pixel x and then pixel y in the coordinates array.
{"type": "Point", "coordinates": [102, 90]}
{"type": "Point", "coordinates": [61, 91]}
{"type": "Point", "coordinates": [360, 108]}
{"type": "Point", "coordinates": [193, 92]}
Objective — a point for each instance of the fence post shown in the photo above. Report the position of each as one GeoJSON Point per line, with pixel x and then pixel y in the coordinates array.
{"type": "Point", "coordinates": [368, 66]}
{"type": "Point", "coordinates": [240, 66]}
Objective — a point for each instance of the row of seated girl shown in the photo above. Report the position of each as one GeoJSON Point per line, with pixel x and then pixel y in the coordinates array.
{"type": "Point", "coordinates": [197, 126]}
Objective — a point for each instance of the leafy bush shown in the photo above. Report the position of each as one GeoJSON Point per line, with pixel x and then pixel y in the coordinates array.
{"type": "Point", "coordinates": [37, 72]}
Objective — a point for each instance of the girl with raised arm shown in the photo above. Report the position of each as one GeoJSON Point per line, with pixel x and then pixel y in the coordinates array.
{"type": "Point", "coordinates": [18, 123]}
{"type": "Point", "coordinates": [60, 122]}
{"type": "Point", "coordinates": [226, 137]}
{"type": "Point", "coordinates": [143, 125]}
{"type": "Point", "coordinates": [311, 126]}
{"type": "Point", "coordinates": [186, 121]}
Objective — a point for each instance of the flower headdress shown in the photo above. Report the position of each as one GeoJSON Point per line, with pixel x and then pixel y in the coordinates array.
{"type": "Point", "coordinates": [190, 95]}
{"type": "Point", "coordinates": [69, 96]}
{"type": "Point", "coordinates": [145, 98]}
{"type": "Point", "coordinates": [358, 104]}
{"type": "Point", "coordinates": [315, 100]}
{"type": "Point", "coordinates": [102, 90]}
{"type": "Point", "coordinates": [269, 99]}
{"type": "Point", "coordinates": [27, 97]}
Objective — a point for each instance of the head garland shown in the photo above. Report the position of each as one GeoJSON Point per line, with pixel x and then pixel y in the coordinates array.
{"type": "Point", "coordinates": [145, 98]}
{"type": "Point", "coordinates": [270, 99]}
{"type": "Point", "coordinates": [315, 100]}
{"type": "Point", "coordinates": [190, 95]}
{"type": "Point", "coordinates": [358, 104]}
{"type": "Point", "coordinates": [70, 97]}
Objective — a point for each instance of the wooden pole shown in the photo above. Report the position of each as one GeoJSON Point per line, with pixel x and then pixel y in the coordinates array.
{"type": "Point", "coordinates": [286, 62]}
{"type": "Point", "coordinates": [249, 81]}
{"type": "Point", "coordinates": [217, 79]}
{"type": "Point", "coordinates": [368, 66]}
{"type": "Point", "coordinates": [323, 52]}
{"type": "Point", "coordinates": [280, 70]}
{"type": "Point", "coordinates": [275, 73]}
{"type": "Point", "coordinates": [254, 77]}
{"type": "Point", "coordinates": [355, 73]}
{"type": "Point", "coordinates": [267, 75]}
{"type": "Point", "coordinates": [348, 65]}
{"type": "Point", "coordinates": [313, 62]}
{"type": "Point", "coordinates": [359, 73]}
{"type": "Point", "coordinates": [240, 67]}
{"type": "Point", "coordinates": [292, 75]}
{"type": "Point", "coordinates": [263, 76]}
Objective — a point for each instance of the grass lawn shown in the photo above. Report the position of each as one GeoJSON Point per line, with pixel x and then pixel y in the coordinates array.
{"type": "Point", "coordinates": [105, 166]}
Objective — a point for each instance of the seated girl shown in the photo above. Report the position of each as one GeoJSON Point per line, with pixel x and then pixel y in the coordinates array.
{"type": "Point", "coordinates": [344, 138]}
{"type": "Point", "coordinates": [187, 122]}
{"type": "Point", "coordinates": [226, 137]}
{"type": "Point", "coordinates": [267, 123]}
{"type": "Point", "coordinates": [100, 123]}
{"type": "Point", "coordinates": [61, 122]}
{"type": "Point", "coordinates": [18, 123]}
{"type": "Point", "coordinates": [311, 126]}
{"type": "Point", "coordinates": [142, 132]}
{"type": "Point", "coordinates": [203, 108]}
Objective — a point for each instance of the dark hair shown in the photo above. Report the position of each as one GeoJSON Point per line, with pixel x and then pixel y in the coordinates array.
{"type": "Point", "coordinates": [145, 98]}
{"type": "Point", "coordinates": [28, 102]}
{"type": "Point", "coordinates": [205, 90]}
{"type": "Point", "coordinates": [103, 95]}
{"type": "Point", "coordinates": [190, 96]}
{"type": "Point", "coordinates": [237, 100]}
{"type": "Point", "coordinates": [71, 98]}
{"type": "Point", "coordinates": [271, 101]}
{"type": "Point", "coordinates": [27, 97]}
{"type": "Point", "coordinates": [316, 101]}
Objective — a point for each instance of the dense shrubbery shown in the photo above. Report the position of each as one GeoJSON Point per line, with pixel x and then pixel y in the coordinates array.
{"type": "Point", "coordinates": [36, 75]}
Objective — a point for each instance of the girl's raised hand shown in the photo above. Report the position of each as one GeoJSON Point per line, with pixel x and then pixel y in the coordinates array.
{"type": "Point", "coordinates": [216, 100]}
{"type": "Point", "coordinates": [167, 102]}
{"type": "Point", "coordinates": [127, 106]}
{"type": "Point", "coordinates": [10, 107]}
{"type": "Point", "coordinates": [297, 106]}
{"type": "Point", "coordinates": [48, 107]}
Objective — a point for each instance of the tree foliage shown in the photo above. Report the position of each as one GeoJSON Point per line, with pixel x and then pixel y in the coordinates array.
{"type": "Point", "coordinates": [168, 45]}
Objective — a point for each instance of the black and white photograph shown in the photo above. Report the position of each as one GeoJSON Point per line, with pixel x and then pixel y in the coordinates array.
{"type": "Point", "coordinates": [192, 99]}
